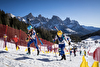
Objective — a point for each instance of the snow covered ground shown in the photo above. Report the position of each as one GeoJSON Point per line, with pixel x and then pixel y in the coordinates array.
{"type": "Point", "coordinates": [19, 58]}
{"type": "Point", "coordinates": [13, 58]}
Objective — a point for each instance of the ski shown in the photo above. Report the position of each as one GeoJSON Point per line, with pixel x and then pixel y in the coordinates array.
{"type": "Point", "coordinates": [39, 39]}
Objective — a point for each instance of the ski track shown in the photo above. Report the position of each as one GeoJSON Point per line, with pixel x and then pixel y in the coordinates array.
{"type": "Point", "coordinates": [13, 58]}
{"type": "Point", "coordinates": [20, 59]}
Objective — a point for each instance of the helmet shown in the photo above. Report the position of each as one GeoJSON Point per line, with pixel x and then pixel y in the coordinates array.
{"type": "Point", "coordinates": [59, 33]}
{"type": "Point", "coordinates": [29, 27]}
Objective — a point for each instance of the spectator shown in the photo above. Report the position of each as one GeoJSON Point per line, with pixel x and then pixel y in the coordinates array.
{"type": "Point", "coordinates": [5, 40]}
{"type": "Point", "coordinates": [15, 39]}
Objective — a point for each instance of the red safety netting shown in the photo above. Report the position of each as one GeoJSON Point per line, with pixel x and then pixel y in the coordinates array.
{"type": "Point", "coordinates": [90, 54]}
{"type": "Point", "coordinates": [2, 30]}
{"type": "Point", "coordinates": [96, 54]}
{"type": "Point", "coordinates": [47, 44]}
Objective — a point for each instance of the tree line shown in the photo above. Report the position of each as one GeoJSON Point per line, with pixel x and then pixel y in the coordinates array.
{"type": "Point", "coordinates": [91, 34]}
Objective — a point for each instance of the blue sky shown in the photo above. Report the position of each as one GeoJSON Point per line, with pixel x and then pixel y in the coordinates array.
{"type": "Point", "coordinates": [86, 12]}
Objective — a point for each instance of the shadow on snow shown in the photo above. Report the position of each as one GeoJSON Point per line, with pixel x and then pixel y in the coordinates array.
{"type": "Point", "coordinates": [21, 54]}
{"type": "Point", "coordinates": [3, 52]}
{"type": "Point", "coordinates": [45, 60]}
{"type": "Point", "coordinates": [44, 55]}
{"type": "Point", "coordinates": [22, 58]}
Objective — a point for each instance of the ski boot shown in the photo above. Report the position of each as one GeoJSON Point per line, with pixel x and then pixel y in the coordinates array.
{"type": "Point", "coordinates": [63, 57]}
{"type": "Point", "coordinates": [59, 54]}
{"type": "Point", "coordinates": [28, 51]}
{"type": "Point", "coordinates": [37, 52]}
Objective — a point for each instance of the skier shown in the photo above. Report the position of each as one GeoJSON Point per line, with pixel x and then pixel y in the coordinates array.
{"type": "Point", "coordinates": [61, 39]}
{"type": "Point", "coordinates": [70, 51]}
{"type": "Point", "coordinates": [32, 38]}
{"type": "Point", "coordinates": [15, 39]}
{"type": "Point", "coordinates": [80, 52]}
{"type": "Point", "coordinates": [84, 52]}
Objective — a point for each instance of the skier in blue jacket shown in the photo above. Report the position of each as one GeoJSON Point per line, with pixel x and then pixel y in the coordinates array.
{"type": "Point", "coordinates": [32, 38]}
{"type": "Point", "coordinates": [61, 39]}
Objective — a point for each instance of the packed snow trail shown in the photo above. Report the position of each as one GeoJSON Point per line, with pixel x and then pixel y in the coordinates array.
{"type": "Point", "coordinates": [13, 58]}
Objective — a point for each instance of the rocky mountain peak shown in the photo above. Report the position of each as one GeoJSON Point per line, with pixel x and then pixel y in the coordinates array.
{"type": "Point", "coordinates": [65, 26]}
{"type": "Point", "coordinates": [30, 15]}
{"type": "Point", "coordinates": [67, 20]}
{"type": "Point", "coordinates": [39, 16]}
{"type": "Point", "coordinates": [56, 18]}
{"type": "Point", "coordinates": [75, 22]}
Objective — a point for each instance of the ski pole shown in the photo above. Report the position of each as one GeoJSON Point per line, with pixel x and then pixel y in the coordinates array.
{"type": "Point", "coordinates": [56, 28]}
{"type": "Point", "coordinates": [70, 53]}
{"type": "Point", "coordinates": [55, 51]}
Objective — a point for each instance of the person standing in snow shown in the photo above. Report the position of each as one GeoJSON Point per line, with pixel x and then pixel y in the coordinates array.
{"type": "Point", "coordinates": [70, 51]}
{"type": "Point", "coordinates": [5, 39]}
{"type": "Point", "coordinates": [32, 38]}
{"type": "Point", "coordinates": [80, 52]}
{"type": "Point", "coordinates": [61, 39]}
{"type": "Point", "coordinates": [74, 51]}
{"type": "Point", "coordinates": [15, 39]}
